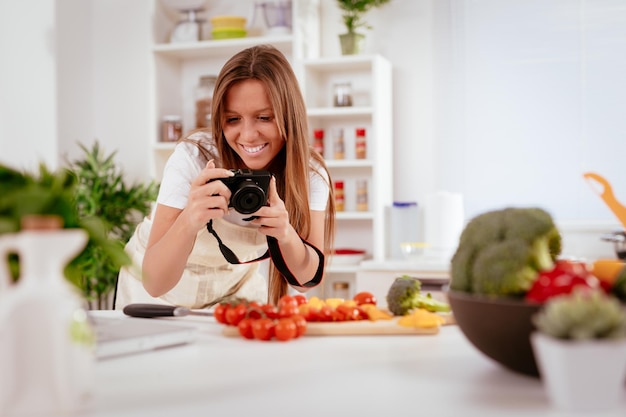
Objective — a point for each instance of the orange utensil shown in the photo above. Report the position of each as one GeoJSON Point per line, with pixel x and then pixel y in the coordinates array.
{"type": "Point", "coordinates": [606, 193]}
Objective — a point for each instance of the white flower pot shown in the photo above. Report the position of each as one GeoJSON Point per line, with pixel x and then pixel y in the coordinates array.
{"type": "Point", "coordinates": [581, 375]}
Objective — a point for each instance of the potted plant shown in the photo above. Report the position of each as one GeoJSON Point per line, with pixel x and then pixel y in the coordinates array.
{"type": "Point", "coordinates": [103, 192]}
{"type": "Point", "coordinates": [352, 13]}
{"type": "Point", "coordinates": [580, 348]}
{"type": "Point", "coordinates": [89, 194]}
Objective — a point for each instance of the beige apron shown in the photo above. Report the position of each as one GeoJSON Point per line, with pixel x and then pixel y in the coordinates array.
{"type": "Point", "coordinates": [207, 276]}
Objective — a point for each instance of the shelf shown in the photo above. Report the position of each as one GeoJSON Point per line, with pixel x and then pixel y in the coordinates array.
{"type": "Point", "coordinates": [354, 215]}
{"type": "Point", "coordinates": [339, 112]}
{"type": "Point", "coordinates": [343, 63]}
{"type": "Point", "coordinates": [338, 269]}
{"type": "Point", "coordinates": [349, 163]}
{"type": "Point", "coordinates": [225, 47]}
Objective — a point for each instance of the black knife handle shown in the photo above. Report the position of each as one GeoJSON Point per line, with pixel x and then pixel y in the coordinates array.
{"type": "Point", "coordinates": [148, 311]}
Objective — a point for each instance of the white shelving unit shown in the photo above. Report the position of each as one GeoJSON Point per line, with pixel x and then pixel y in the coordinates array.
{"type": "Point", "coordinates": [176, 68]}
{"type": "Point", "coordinates": [371, 80]}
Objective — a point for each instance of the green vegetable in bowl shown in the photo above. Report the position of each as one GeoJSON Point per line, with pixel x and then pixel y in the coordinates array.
{"type": "Point", "coordinates": [583, 314]}
{"type": "Point", "coordinates": [405, 295]}
{"type": "Point", "coordinates": [500, 252]}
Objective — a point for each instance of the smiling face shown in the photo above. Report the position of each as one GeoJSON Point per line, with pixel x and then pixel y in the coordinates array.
{"type": "Point", "coordinates": [249, 124]}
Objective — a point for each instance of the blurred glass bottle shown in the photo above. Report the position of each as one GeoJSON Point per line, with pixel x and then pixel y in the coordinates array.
{"type": "Point", "coordinates": [339, 147]}
{"type": "Point", "coordinates": [318, 141]}
{"type": "Point", "coordinates": [204, 100]}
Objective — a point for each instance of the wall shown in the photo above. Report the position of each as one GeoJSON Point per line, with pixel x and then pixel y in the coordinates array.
{"type": "Point", "coordinates": [28, 108]}
{"type": "Point", "coordinates": [75, 71]}
{"type": "Point", "coordinates": [536, 100]}
{"type": "Point", "coordinates": [457, 112]}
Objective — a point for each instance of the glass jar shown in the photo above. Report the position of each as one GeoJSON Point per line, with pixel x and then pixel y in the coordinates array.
{"type": "Point", "coordinates": [361, 195]}
{"type": "Point", "coordinates": [204, 100]}
{"type": "Point", "coordinates": [404, 226]}
{"type": "Point", "coordinates": [318, 141]}
{"type": "Point", "coordinates": [342, 94]}
{"type": "Point", "coordinates": [171, 128]}
{"type": "Point", "coordinates": [340, 198]}
{"type": "Point", "coordinates": [341, 289]}
{"type": "Point", "coordinates": [360, 143]}
{"type": "Point", "coordinates": [339, 148]}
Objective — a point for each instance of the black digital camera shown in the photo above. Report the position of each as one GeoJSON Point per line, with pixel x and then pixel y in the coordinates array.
{"type": "Point", "coordinates": [249, 189]}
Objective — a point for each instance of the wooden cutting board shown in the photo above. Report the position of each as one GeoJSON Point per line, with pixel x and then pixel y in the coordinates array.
{"type": "Point", "coordinates": [358, 328]}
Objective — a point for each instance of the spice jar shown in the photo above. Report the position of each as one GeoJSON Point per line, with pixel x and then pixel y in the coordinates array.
{"type": "Point", "coordinates": [361, 195]}
{"type": "Point", "coordinates": [204, 99]}
{"type": "Point", "coordinates": [341, 290]}
{"type": "Point", "coordinates": [360, 143]}
{"type": "Point", "coordinates": [340, 198]}
{"type": "Point", "coordinates": [339, 148]}
{"type": "Point", "coordinates": [171, 128]}
{"type": "Point", "coordinates": [318, 141]}
{"type": "Point", "coordinates": [342, 94]}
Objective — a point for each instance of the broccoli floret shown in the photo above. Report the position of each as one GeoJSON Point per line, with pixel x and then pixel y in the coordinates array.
{"type": "Point", "coordinates": [500, 252]}
{"type": "Point", "coordinates": [405, 295]}
{"type": "Point", "coordinates": [504, 268]}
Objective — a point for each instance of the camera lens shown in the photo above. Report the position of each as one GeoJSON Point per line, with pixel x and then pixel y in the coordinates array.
{"type": "Point", "coordinates": [248, 198]}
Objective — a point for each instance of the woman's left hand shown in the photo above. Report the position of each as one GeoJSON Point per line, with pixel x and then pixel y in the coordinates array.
{"type": "Point", "coordinates": [273, 219]}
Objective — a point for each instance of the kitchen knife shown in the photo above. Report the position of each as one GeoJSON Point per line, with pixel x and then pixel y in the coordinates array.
{"type": "Point", "coordinates": [161, 310]}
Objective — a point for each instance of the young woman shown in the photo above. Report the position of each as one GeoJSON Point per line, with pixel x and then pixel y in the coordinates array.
{"type": "Point", "coordinates": [259, 122]}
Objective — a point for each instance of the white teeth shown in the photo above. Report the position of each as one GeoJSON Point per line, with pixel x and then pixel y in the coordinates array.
{"type": "Point", "coordinates": [253, 150]}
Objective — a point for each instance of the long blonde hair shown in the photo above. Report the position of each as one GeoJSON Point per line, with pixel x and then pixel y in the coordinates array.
{"type": "Point", "coordinates": [294, 162]}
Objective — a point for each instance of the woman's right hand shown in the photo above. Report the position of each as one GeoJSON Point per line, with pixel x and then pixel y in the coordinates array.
{"type": "Point", "coordinates": [208, 199]}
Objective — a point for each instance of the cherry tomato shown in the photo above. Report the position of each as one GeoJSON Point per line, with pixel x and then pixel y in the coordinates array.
{"type": "Point", "coordinates": [255, 312]}
{"type": "Point", "coordinates": [288, 311]}
{"type": "Point", "coordinates": [285, 329]}
{"type": "Point", "coordinates": [350, 312]}
{"type": "Point", "coordinates": [236, 313]}
{"type": "Point", "coordinates": [245, 328]}
{"type": "Point", "coordinates": [300, 323]}
{"type": "Point", "coordinates": [219, 312]}
{"type": "Point", "coordinates": [301, 299]}
{"type": "Point", "coordinates": [562, 279]}
{"type": "Point", "coordinates": [362, 314]}
{"type": "Point", "coordinates": [270, 311]}
{"type": "Point", "coordinates": [263, 329]}
{"type": "Point", "coordinates": [337, 315]}
{"type": "Point", "coordinates": [364, 297]}
{"type": "Point", "coordinates": [312, 314]}
{"type": "Point", "coordinates": [325, 314]}
{"type": "Point", "coordinates": [287, 301]}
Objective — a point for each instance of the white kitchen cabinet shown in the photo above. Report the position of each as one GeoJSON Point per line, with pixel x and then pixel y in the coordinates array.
{"type": "Point", "coordinates": [177, 67]}
{"type": "Point", "coordinates": [370, 77]}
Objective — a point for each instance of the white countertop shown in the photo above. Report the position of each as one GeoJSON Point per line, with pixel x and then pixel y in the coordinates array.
{"type": "Point", "coordinates": [433, 375]}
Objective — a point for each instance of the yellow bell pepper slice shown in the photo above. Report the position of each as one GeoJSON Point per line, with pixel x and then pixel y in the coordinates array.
{"type": "Point", "coordinates": [421, 318]}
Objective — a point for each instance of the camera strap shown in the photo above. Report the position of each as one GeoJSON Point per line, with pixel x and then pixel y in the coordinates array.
{"type": "Point", "coordinates": [277, 258]}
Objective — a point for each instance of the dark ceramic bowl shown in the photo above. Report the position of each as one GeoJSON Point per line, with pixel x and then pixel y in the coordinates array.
{"type": "Point", "coordinates": [499, 328]}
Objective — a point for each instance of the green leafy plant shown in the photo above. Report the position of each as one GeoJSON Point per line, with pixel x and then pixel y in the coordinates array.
{"type": "Point", "coordinates": [51, 193]}
{"type": "Point", "coordinates": [90, 194]}
{"type": "Point", "coordinates": [103, 193]}
{"type": "Point", "coordinates": [353, 12]}
{"type": "Point", "coordinates": [582, 315]}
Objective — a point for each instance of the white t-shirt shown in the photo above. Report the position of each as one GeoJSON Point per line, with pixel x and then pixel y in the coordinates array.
{"type": "Point", "coordinates": [186, 163]}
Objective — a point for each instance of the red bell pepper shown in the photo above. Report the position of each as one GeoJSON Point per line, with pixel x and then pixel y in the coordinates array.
{"type": "Point", "coordinates": [562, 279]}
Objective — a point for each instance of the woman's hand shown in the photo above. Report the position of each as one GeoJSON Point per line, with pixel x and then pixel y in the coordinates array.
{"type": "Point", "coordinates": [208, 199]}
{"type": "Point", "coordinates": [273, 219]}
